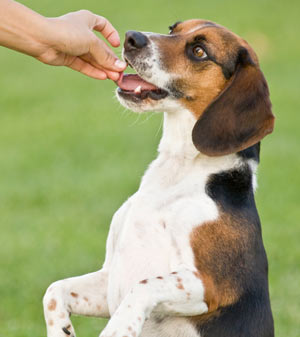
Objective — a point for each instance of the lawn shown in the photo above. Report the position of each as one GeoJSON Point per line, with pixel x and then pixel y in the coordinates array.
{"type": "Point", "coordinates": [70, 155]}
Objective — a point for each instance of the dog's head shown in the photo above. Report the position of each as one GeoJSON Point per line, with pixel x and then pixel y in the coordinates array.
{"type": "Point", "coordinates": [206, 69]}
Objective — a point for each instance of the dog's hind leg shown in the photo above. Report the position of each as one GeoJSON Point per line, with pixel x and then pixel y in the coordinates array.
{"type": "Point", "coordinates": [81, 295]}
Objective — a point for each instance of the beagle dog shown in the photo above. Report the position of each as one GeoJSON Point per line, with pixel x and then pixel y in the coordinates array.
{"type": "Point", "coordinates": [184, 255]}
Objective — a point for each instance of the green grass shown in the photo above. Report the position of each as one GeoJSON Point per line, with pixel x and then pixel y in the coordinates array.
{"type": "Point", "coordinates": [70, 155]}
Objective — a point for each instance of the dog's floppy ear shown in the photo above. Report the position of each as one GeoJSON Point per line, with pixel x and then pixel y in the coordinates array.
{"type": "Point", "coordinates": [241, 114]}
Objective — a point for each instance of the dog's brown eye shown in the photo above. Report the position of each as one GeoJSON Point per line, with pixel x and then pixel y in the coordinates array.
{"type": "Point", "coordinates": [199, 52]}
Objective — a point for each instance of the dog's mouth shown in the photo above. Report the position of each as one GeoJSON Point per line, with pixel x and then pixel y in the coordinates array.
{"type": "Point", "coordinates": [133, 87]}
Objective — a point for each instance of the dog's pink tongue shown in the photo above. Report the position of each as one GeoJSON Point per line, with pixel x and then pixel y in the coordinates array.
{"type": "Point", "coordinates": [130, 82]}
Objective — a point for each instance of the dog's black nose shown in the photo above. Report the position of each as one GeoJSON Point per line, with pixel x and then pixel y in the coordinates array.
{"type": "Point", "coordinates": [135, 40]}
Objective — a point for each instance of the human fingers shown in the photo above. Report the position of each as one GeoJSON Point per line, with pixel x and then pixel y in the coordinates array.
{"type": "Point", "coordinates": [103, 26]}
{"type": "Point", "coordinates": [104, 57]}
{"type": "Point", "coordinates": [113, 75]}
{"type": "Point", "coordinates": [87, 69]}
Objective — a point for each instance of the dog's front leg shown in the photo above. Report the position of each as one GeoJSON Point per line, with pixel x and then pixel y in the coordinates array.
{"type": "Point", "coordinates": [82, 295]}
{"type": "Point", "coordinates": [180, 293]}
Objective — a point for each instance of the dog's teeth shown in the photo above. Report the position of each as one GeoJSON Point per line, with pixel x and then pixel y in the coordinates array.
{"type": "Point", "coordinates": [138, 90]}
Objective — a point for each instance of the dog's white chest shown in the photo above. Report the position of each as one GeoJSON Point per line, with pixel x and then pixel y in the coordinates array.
{"type": "Point", "coordinates": [154, 237]}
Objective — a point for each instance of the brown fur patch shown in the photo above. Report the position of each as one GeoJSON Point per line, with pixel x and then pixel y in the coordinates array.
{"type": "Point", "coordinates": [144, 281]}
{"type": "Point", "coordinates": [186, 26]}
{"type": "Point", "coordinates": [196, 320]}
{"type": "Point", "coordinates": [52, 305]}
{"type": "Point", "coordinates": [74, 294]}
{"type": "Point", "coordinates": [160, 277]}
{"type": "Point", "coordinates": [239, 117]}
{"type": "Point", "coordinates": [86, 299]}
{"type": "Point", "coordinates": [180, 286]}
{"type": "Point", "coordinates": [226, 92]}
{"type": "Point", "coordinates": [221, 250]}
{"type": "Point", "coordinates": [51, 322]}
{"type": "Point", "coordinates": [199, 83]}
{"type": "Point", "coordinates": [204, 87]}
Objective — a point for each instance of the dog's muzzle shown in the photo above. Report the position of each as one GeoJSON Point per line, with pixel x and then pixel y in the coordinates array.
{"type": "Point", "coordinates": [132, 86]}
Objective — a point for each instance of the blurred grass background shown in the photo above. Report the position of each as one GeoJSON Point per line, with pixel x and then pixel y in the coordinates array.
{"type": "Point", "coordinates": [70, 155]}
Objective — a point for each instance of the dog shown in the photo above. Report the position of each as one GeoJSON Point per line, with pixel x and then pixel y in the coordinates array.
{"type": "Point", "coordinates": [184, 255]}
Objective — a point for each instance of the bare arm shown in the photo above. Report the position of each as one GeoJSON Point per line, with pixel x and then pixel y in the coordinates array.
{"type": "Point", "coordinates": [68, 40]}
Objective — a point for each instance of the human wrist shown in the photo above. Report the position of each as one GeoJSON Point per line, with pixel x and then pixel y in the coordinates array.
{"type": "Point", "coordinates": [40, 38]}
{"type": "Point", "coordinates": [53, 34]}
{"type": "Point", "coordinates": [50, 41]}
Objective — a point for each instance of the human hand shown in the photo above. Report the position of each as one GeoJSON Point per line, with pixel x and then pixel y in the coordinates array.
{"type": "Point", "coordinates": [70, 41]}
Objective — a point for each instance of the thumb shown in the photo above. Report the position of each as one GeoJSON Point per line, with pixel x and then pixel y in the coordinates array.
{"type": "Point", "coordinates": [105, 58]}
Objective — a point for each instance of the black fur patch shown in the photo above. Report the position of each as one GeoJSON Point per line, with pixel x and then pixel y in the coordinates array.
{"type": "Point", "coordinates": [232, 190]}
{"type": "Point", "coordinates": [251, 152]}
{"type": "Point", "coordinates": [251, 315]}
{"type": "Point", "coordinates": [175, 91]}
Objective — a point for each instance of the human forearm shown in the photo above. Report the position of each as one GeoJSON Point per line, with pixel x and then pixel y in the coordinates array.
{"type": "Point", "coordinates": [68, 40]}
{"type": "Point", "coordinates": [22, 29]}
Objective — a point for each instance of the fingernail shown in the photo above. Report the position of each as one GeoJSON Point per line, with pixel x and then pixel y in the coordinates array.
{"type": "Point", "coordinates": [120, 64]}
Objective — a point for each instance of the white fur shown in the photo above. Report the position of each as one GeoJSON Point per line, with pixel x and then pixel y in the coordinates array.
{"type": "Point", "coordinates": [179, 294]}
{"type": "Point", "coordinates": [157, 75]}
{"type": "Point", "coordinates": [81, 295]}
{"type": "Point", "coordinates": [150, 237]}
{"type": "Point", "coordinates": [253, 165]}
